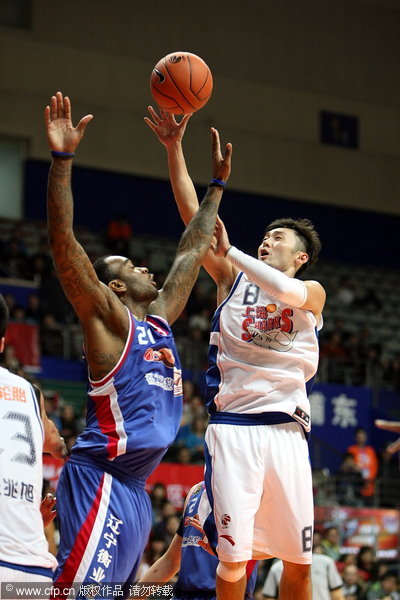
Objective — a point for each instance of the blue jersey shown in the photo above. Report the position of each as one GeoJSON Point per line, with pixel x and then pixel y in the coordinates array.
{"type": "Point", "coordinates": [133, 414]}
{"type": "Point", "coordinates": [198, 568]}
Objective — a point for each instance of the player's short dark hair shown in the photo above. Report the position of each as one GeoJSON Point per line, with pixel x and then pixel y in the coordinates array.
{"type": "Point", "coordinates": [305, 231]}
{"type": "Point", "coordinates": [104, 270]}
{"type": "Point", "coordinates": [4, 314]}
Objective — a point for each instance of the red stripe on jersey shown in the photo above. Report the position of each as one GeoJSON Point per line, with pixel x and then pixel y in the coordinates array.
{"type": "Point", "coordinates": [157, 326]}
{"type": "Point", "coordinates": [73, 561]}
{"type": "Point", "coordinates": [107, 423]}
{"type": "Point", "coordinates": [121, 359]}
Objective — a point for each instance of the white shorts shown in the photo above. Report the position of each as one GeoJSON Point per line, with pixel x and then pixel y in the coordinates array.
{"type": "Point", "coordinates": [10, 576]}
{"type": "Point", "coordinates": [259, 487]}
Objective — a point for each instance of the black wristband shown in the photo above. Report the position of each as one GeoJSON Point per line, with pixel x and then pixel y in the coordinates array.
{"type": "Point", "coordinates": [65, 155]}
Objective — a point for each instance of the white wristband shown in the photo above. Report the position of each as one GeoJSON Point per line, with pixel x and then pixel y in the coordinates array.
{"type": "Point", "coordinates": [273, 282]}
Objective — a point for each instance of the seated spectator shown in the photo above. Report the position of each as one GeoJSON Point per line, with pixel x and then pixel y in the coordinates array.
{"type": "Point", "coordinates": [387, 588]}
{"type": "Point", "coordinates": [330, 542]}
{"type": "Point", "coordinates": [345, 294]}
{"type": "Point", "coordinates": [353, 587]}
{"type": "Point", "coordinates": [51, 339]}
{"type": "Point", "coordinates": [158, 497]}
{"type": "Point", "coordinates": [366, 563]}
{"type": "Point", "coordinates": [349, 482]}
{"type": "Point", "coordinates": [68, 421]}
{"type": "Point", "coordinates": [33, 309]}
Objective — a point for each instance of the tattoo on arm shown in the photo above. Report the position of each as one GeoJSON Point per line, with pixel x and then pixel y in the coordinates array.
{"type": "Point", "coordinates": [73, 266]}
{"type": "Point", "coordinates": [192, 249]}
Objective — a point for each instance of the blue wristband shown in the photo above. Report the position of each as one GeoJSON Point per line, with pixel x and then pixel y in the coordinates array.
{"type": "Point", "coordinates": [57, 154]}
{"type": "Point", "coordinates": [218, 182]}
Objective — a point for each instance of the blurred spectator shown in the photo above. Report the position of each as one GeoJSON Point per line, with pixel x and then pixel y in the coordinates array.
{"type": "Point", "coordinates": [158, 497]}
{"type": "Point", "coordinates": [331, 542]}
{"type": "Point", "coordinates": [345, 294]}
{"type": "Point", "coordinates": [119, 234]}
{"type": "Point", "coordinates": [33, 309]}
{"type": "Point", "coordinates": [386, 589]}
{"type": "Point", "coordinates": [353, 588]}
{"type": "Point", "coordinates": [194, 439]}
{"type": "Point", "coordinates": [68, 421]}
{"type": "Point", "coordinates": [349, 482]}
{"type": "Point", "coordinates": [366, 460]}
{"type": "Point", "coordinates": [366, 563]}
{"type": "Point", "coordinates": [193, 350]}
{"type": "Point", "coordinates": [389, 478]}
{"type": "Point", "coordinates": [51, 339]}
{"type": "Point", "coordinates": [183, 456]}
{"type": "Point", "coordinates": [10, 360]}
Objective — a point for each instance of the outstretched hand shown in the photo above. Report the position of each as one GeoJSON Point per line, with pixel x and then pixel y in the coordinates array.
{"type": "Point", "coordinates": [221, 164]}
{"type": "Point", "coordinates": [220, 243]}
{"type": "Point", "coordinates": [61, 134]}
{"type": "Point", "coordinates": [166, 127]}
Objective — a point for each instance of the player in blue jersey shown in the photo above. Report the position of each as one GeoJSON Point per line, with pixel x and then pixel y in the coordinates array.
{"type": "Point", "coordinates": [134, 376]}
{"type": "Point", "coordinates": [197, 567]}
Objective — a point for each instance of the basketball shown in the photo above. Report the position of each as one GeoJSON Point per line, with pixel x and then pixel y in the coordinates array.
{"type": "Point", "coordinates": [181, 83]}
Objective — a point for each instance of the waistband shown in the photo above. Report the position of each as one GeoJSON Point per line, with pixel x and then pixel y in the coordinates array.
{"type": "Point", "coordinates": [265, 418]}
{"type": "Point", "coordinates": [44, 571]}
{"type": "Point", "coordinates": [102, 465]}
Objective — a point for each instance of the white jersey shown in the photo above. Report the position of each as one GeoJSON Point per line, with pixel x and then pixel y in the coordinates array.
{"type": "Point", "coordinates": [263, 353]}
{"type": "Point", "coordinates": [22, 539]}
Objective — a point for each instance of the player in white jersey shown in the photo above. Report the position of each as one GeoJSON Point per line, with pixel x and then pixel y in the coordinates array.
{"type": "Point", "coordinates": [263, 355]}
{"type": "Point", "coordinates": [25, 433]}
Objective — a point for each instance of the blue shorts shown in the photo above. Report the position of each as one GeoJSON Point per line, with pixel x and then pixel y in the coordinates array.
{"type": "Point", "coordinates": [104, 525]}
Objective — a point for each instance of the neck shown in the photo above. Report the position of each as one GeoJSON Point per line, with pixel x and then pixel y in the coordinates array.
{"type": "Point", "coordinates": [138, 309]}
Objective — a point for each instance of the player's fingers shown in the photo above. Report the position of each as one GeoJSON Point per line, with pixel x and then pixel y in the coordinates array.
{"type": "Point", "coordinates": [228, 153]}
{"type": "Point", "coordinates": [46, 113]}
{"type": "Point", "coordinates": [154, 115]}
{"type": "Point", "coordinates": [60, 105]}
{"type": "Point", "coordinates": [53, 108]}
{"type": "Point", "coordinates": [83, 122]}
{"type": "Point", "coordinates": [67, 108]}
{"type": "Point", "coordinates": [185, 120]}
{"type": "Point", "coordinates": [216, 145]}
{"type": "Point", "coordinates": [150, 124]}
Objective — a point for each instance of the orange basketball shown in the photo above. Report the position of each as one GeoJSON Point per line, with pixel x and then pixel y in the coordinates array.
{"type": "Point", "coordinates": [181, 83]}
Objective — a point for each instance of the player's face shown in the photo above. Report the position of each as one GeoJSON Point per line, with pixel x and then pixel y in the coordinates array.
{"type": "Point", "coordinates": [139, 282]}
{"type": "Point", "coordinates": [280, 249]}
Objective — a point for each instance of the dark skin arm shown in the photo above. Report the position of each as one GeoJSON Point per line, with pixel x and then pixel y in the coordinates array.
{"type": "Point", "coordinates": [104, 319]}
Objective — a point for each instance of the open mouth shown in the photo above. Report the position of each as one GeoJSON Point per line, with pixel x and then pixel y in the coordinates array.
{"type": "Point", "coordinates": [264, 252]}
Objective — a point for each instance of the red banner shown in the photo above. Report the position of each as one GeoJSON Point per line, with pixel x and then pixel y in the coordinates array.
{"type": "Point", "coordinates": [52, 469]}
{"type": "Point", "coordinates": [376, 527]}
{"type": "Point", "coordinates": [177, 478]}
{"type": "Point", "coordinates": [24, 338]}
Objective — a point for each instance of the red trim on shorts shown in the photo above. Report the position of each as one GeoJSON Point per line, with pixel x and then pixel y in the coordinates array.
{"type": "Point", "coordinates": [74, 560]}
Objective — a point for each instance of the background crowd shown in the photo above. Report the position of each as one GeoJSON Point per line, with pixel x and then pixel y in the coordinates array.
{"type": "Point", "coordinates": [350, 354]}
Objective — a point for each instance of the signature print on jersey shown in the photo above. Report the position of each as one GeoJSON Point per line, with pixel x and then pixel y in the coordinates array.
{"type": "Point", "coordinates": [269, 326]}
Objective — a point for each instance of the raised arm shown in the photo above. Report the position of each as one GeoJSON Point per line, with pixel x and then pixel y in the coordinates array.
{"type": "Point", "coordinates": [170, 134]}
{"type": "Point", "coordinates": [193, 246]}
{"type": "Point", "coordinates": [87, 295]}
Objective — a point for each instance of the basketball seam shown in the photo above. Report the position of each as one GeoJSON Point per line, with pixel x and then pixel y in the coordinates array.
{"type": "Point", "coordinates": [170, 97]}
{"type": "Point", "coordinates": [190, 86]}
{"type": "Point", "coordinates": [179, 90]}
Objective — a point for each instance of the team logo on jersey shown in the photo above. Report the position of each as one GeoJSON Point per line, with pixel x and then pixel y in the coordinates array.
{"type": "Point", "coordinates": [269, 326]}
{"type": "Point", "coordinates": [225, 520]}
{"type": "Point", "coordinates": [163, 355]}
